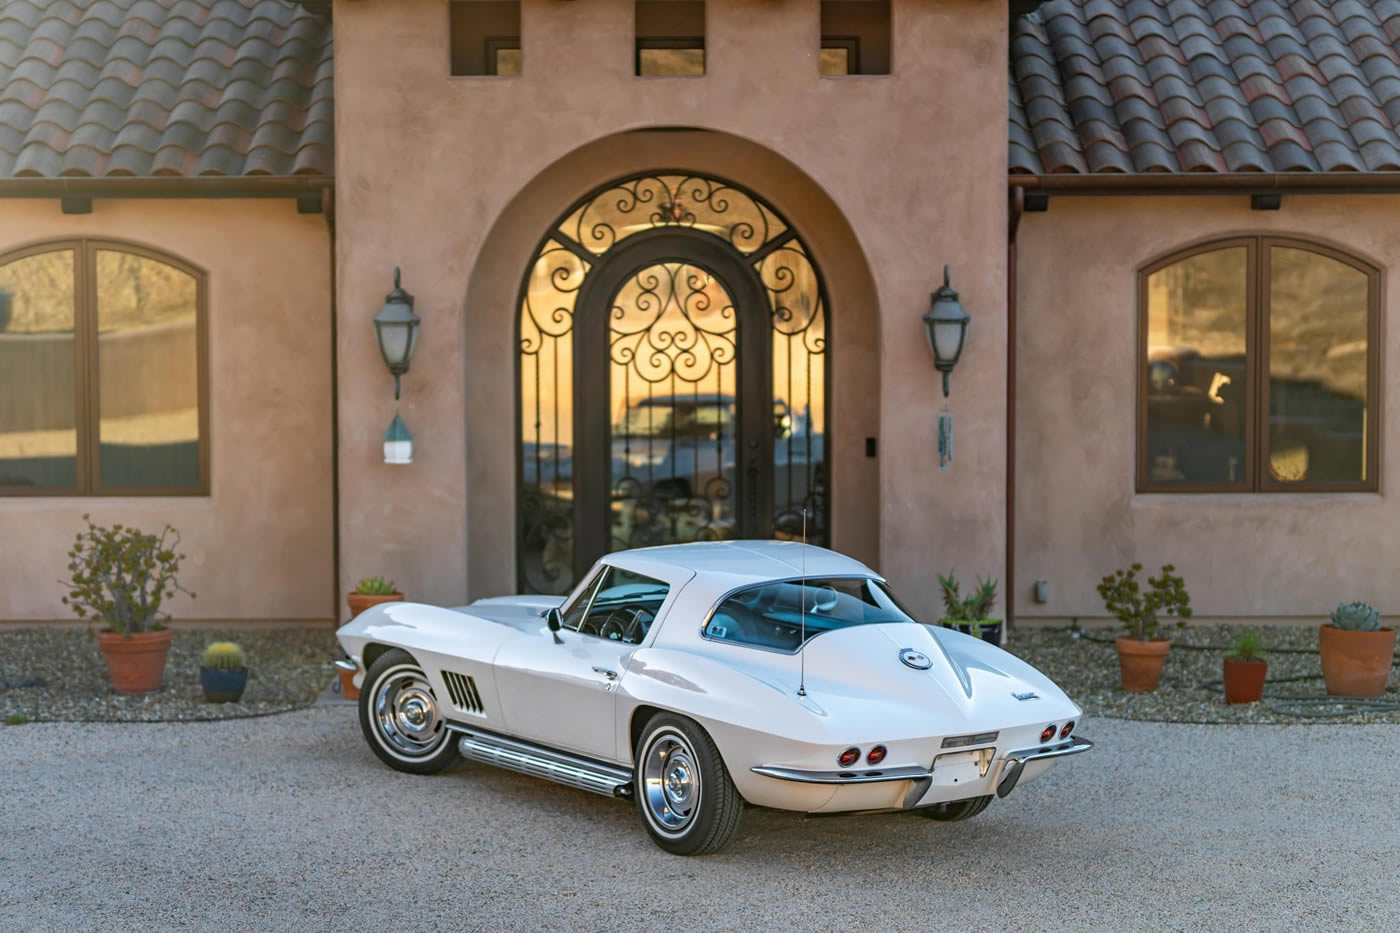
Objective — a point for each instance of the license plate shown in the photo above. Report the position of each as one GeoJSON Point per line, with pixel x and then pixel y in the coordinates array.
{"type": "Point", "coordinates": [962, 767]}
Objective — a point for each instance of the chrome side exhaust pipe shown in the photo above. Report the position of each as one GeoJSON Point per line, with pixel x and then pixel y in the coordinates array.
{"type": "Point", "coordinates": [537, 761]}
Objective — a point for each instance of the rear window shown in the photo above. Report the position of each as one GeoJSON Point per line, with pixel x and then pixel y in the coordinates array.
{"type": "Point", "coordinates": [771, 615]}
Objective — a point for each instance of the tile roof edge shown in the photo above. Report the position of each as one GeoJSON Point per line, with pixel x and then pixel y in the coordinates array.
{"type": "Point", "coordinates": [166, 186]}
{"type": "Point", "coordinates": [1206, 182]}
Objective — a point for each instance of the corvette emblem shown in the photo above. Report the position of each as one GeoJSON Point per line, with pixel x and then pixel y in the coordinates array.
{"type": "Point", "coordinates": [1025, 696]}
{"type": "Point", "coordinates": [915, 659]}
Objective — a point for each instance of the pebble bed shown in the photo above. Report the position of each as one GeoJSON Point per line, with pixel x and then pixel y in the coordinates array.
{"type": "Point", "coordinates": [1085, 664]}
{"type": "Point", "coordinates": [287, 669]}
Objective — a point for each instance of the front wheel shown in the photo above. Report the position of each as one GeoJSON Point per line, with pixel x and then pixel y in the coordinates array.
{"type": "Point", "coordinates": [688, 803]}
{"type": "Point", "coordinates": [400, 718]}
{"type": "Point", "coordinates": [955, 809]}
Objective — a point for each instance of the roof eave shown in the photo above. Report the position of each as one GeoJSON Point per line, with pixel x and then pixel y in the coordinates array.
{"type": "Point", "coordinates": [203, 186]}
{"type": "Point", "coordinates": [1203, 183]}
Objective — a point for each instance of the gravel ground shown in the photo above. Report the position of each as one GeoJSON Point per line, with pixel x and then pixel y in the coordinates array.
{"type": "Point", "coordinates": [287, 668]}
{"type": "Point", "coordinates": [1086, 667]}
{"type": "Point", "coordinates": [290, 823]}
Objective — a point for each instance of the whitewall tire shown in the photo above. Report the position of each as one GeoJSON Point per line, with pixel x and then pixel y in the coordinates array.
{"type": "Point", "coordinates": [401, 718]}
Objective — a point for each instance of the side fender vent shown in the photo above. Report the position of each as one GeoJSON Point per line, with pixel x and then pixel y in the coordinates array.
{"type": "Point", "coordinates": [462, 689]}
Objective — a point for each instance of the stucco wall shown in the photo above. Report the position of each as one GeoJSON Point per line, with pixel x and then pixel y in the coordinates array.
{"type": "Point", "coordinates": [259, 546]}
{"type": "Point", "coordinates": [1078, 517]}
{"type": "Point", "coordinates": [427, 165]}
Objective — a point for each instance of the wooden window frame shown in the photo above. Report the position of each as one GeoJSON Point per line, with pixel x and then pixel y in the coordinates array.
{"type": "Point", "coordinates": [852, 46]}
{"type": "Point", "coordinates": [495, 45]}
{"type": "Point", "coordinates": [87, 379]}
{"type": "Point", "coordinates": [1256, 479]}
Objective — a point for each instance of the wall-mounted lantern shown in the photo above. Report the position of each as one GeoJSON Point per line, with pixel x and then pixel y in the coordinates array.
{"type": "Point", "coordinates": [396, 329]}
{"type": "Point", "coordinates": [946, 323]}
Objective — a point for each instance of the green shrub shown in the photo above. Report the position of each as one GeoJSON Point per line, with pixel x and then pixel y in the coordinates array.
{"type": "Point", "coordinates": [1139, 609]}
{"type": "Point", "coordinates": [121, 576]}
{"type": "Point", "coordinates": [973, 610]}
{"type": "Point", "coordinates": [1356, 617]}
{"type": "Point", "coordinates": [1248, 645]}
{"type": "Point", "coordinates": [16, 719]}
{"type": "Point", "coordinates": [375, 586]}
{"type": "Point", "coordinates": [224, 656]}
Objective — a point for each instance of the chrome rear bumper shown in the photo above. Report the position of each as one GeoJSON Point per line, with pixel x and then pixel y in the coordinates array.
{"type": "Point", "coordinates": [1013, 764]}
{"type": "Point", "coordinates": [1017, 761]}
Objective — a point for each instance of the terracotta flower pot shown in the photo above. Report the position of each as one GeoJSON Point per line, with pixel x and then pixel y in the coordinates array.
{"type": "Point", "coordinates": [359, 602]}
{"type": "Point", "coordinates": [1355, 664]}
{"type": "Point", "coordinates": [347, 683]}
{"type": "Point", "coordinates": [1141, 662]}
{"type": "Point", "coordinates": [136, 663]}
{"type": "Point", "coordinates": [1244, 680]}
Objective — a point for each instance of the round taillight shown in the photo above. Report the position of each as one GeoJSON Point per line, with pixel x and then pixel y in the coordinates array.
{"type": "Point", "coordinates": [1066, 729]}
{"type": "Point", "coordinates": [1048, 734]}
{"type": "Point", "coordinates": [849, 757]}
{"type": "Point", "coordinates": [877, 755]}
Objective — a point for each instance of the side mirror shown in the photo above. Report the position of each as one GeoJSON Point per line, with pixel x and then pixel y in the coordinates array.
{"type": "Point", "coordinates": [555, 622]}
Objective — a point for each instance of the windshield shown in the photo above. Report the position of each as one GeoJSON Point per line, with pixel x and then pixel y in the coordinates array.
{"type": "Point", "coordinates": [771, 615]}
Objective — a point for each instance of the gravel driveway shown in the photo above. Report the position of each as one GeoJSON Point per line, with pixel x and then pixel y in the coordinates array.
{"type": "Point", "coordinates": [289, 822]}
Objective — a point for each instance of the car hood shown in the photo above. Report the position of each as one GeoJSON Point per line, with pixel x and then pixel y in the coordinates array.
{"type": "Point", "coordinates": [858, 672]}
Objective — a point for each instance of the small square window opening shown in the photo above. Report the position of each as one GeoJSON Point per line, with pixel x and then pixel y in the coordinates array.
{"type": "Point", "coordinates": [485, 37]}
{"type": "Point", "coordinates": [855, 37]}
{"type": "Point", "coordinates": [670, 38]}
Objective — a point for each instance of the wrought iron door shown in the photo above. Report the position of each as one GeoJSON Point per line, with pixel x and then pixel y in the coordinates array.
{"type": "Point", "coordinates": [673, 375]}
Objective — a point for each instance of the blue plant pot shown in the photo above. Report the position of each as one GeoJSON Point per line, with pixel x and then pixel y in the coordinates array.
{"type": "Point", "coordinates": [223, 686]}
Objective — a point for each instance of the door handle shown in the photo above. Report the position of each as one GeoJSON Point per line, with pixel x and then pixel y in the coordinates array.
{"type": "Point", "coordinates": [610, 675]}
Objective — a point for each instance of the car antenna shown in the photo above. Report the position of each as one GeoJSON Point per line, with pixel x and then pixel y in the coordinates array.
{"type": "Point", "coordinates": [802, 597]}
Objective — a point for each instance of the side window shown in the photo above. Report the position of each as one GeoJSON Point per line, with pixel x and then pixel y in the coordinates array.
{"type": "Point", "coordinates": [623, 606]}
{"type": "Point", "coordinates": [585, 599]}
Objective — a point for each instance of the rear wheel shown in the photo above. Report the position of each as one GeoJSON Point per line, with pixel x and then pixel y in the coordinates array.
{"type": "Point", "coordinates": [400, 717]}
{"type": "Point", "coordinates": [687, 801]}
{"type": "Point", "coordinates": [955, 809]}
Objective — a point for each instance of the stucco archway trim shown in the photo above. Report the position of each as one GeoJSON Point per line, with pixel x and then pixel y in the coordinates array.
{"type": "Point", "coordinates": [491, 312]}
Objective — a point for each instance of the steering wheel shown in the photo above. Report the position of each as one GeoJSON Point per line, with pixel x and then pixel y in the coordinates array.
{"type": "Point", "coordinates": [623, 624]}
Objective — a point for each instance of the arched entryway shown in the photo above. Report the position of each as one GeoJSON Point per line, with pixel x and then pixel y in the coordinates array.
{"type": "Point", "coordinates": [672, 377]}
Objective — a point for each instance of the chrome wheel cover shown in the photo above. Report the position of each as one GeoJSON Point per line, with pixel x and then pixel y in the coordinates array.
{"type": "Point", "coordinates": [406, 714]}
{"type": "Point", "coordinates": [670, 782]}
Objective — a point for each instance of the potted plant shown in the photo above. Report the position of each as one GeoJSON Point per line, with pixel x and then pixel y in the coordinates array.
{"type": "Point", "coordinates": [1141, 653]}
{"type": "Point", "coordinates": [346, 670]}
{"type": "Point", "coordinates": [1245, 668]}
{"type": "Point", "coordinates": [970, 614]}
{"type": "Point", "coordinates": [1356, 651]}
{"type": "Point", "coordinates": [223, 672]}
{"type": "Point", "coordinates": [371, 591]}
{"type": "Point", "coordinates": [120, 578]}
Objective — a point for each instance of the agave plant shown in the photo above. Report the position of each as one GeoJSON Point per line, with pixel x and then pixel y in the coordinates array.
{"type": "Point", "coordinates": [1356, 617]}
{"type": "Point", "coordinates": [1248, 645]}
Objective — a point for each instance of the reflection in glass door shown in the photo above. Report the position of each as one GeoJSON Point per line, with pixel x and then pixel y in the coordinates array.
{"type": "Point", "coordinates": [673, 365]}
{"type": "Point", "coordinates": [672, 346]}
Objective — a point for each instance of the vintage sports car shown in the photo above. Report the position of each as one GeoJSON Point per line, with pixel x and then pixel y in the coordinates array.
{"type": "Point", "coordinates": [696, 678]}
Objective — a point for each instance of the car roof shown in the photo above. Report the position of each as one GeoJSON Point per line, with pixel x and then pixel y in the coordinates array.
{"type": "Point", "coordinates": [725, 565]}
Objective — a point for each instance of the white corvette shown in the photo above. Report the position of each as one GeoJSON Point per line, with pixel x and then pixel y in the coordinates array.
{"type": "Point", "coordinates": [698, 677]}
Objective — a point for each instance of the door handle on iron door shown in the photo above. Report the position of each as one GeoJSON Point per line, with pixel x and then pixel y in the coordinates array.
{"type": "Point", "coordinates": [610, 675]}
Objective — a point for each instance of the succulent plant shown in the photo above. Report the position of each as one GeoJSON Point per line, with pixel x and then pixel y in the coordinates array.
{"type": "Point", "coordinates": [1356, 617]}
{"type": "Point", "coordinates": [1140, 609]}
{"type": "Point", "coordinates": [375, 586]}
{"type": "Point", "coordinates": [224, 656]}
{"type": "Point", "coordinates": [1248, 645]}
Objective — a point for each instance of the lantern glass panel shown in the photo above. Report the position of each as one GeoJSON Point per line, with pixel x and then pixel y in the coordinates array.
{"type": "Point", "coordinates": [947, 340]}
{"type": "Point", "coordinates": [396, 340]}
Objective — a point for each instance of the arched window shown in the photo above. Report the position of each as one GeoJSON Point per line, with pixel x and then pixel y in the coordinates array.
{"type": "Point", "coordinates": [102, 381]}
{"type": "Point", "coordinates": [1258, 369]}
{"type": "Point", "coordinates": [672, 360]}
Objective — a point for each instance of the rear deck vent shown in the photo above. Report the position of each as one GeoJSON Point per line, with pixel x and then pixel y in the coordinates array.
{"type": "Point", "coordinates": [462, 689]}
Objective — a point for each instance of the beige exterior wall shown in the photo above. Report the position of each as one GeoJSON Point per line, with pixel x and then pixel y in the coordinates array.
{"type": "Point", "coordinates": [886, 177]}
{"type": "Point", "coordinates": [259, 546]}
{"type": "Point", "coordinates": [1078, 516]}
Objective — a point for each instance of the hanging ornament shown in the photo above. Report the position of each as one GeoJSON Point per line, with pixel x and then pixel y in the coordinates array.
{"type": "Point", "coordinates": [945, 439]}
